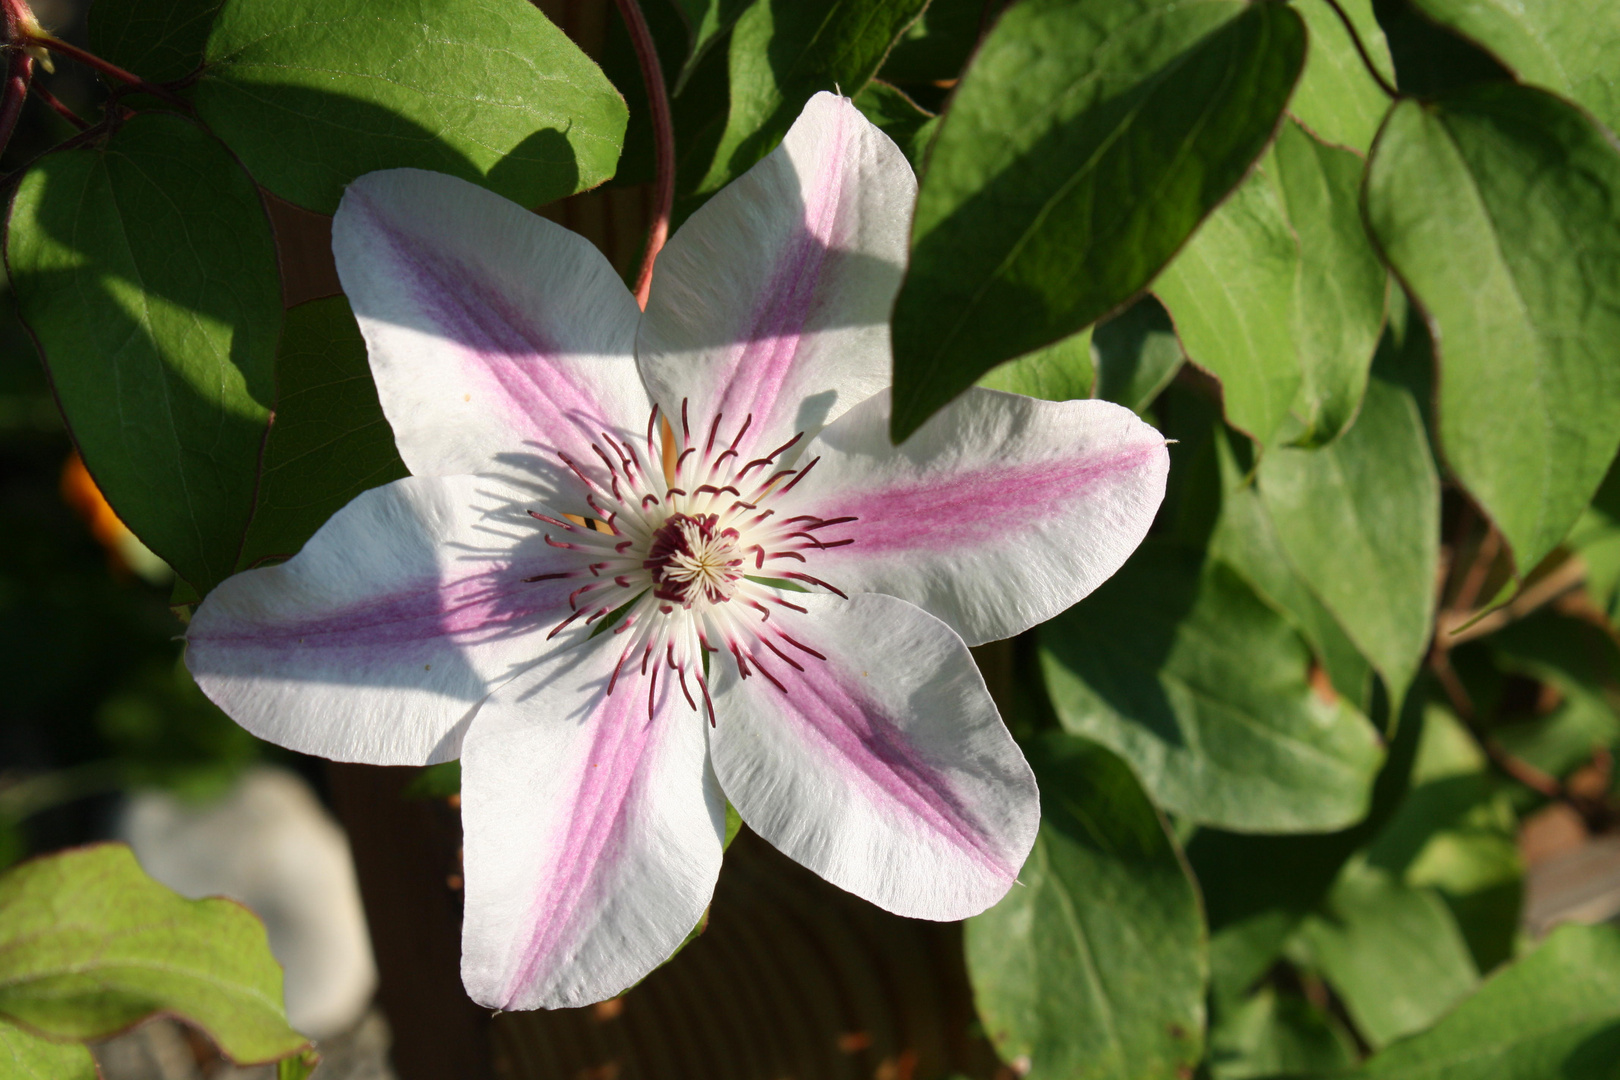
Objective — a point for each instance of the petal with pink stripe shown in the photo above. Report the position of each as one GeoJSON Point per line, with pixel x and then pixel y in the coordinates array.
{"type": "Point", "coordinates": [593, 829]}
{"type": "Point", "coordinates": [496, 337]}
{"type": "Point", "coordinates": [880, 764]}
{"type": "Point", "coordinates": [999, 513]}
{"type": "Point", "coordinates": [772, 301]}
{"type": "Point", "coordinates": [377, 641]}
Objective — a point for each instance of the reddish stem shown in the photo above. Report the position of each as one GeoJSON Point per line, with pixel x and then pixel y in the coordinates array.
{"type": "Point", "coordinates": [19, 72]}
{"type": "Point", "coordinates": [652, 73]}
{"type": "Point", "coordinates": [106, 67]}
{"type": "Point", "coordinates": [61, 110]}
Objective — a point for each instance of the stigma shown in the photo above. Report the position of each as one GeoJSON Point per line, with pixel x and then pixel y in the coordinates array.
{"type": "Point", "coordinates": [689, 550]}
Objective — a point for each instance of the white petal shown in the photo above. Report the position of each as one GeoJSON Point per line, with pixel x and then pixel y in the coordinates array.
{"type": "Point", "coordinates": [497, 338]}
{"type": "Point", "coordinates": [885, 767]}
{"type": "Point", "coordinates": [593, 830]}
{"type": "Point", "coordinates": [378, 640]}
{"type": "Point", "coordinates": [999, 513]}
{"type": "Point", "coordinates": [772, 301]}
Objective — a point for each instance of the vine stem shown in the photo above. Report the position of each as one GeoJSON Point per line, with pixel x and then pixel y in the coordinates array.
{"type": "Point", "coordinates": [62, 110]}
{"type": "Point", "coordinates": [1366, 58]}
{"type": "Point", "coordinates": [19, 66]}
{"type": "Point", "coordinates": [652, 73]}
{"type": "Point", "coordinates": [106, 67]}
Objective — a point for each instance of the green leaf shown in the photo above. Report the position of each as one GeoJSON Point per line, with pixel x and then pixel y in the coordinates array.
{"type": "Point", "coordinates": [1392, 952]}
{"type": "Point", "coordinates": [782, 53]}
{"type": "Point", "coordinates": [298, 1066]}
{"type": "Point", "coordinates": [159, 40]}
{"type": "Point", "coordinates": [1496, 206]}
{"type": "Point", "coordinates": [1360, 521]}
{"type": "Point", "coordinates": [1093, 968]}
{"type": "Point", "coordinates": [434, 781]}
{"type": "Point", "coordinates": [1272, 1034]}
{"type": "Point", "coordinates": [1060, 372]}
{"type": "Point", "coordinates": [1280, 295]}
{"type": "Point", "coordinates": [1554, 1015]}
{"type": "Point", "coordinates": [1582, 662]}
{"type": "Point", "coordinates": [1596, 538]}
{"type": "Point", "coordinates": [90, 945]}
{"type": "Point", "coordinates": [1568, 46]}
{"type": "Point", "coordinates": [1455, 833]}
{"type": "Point", "coordinates": [313, 93]}
{"type": "Point", "coordinates": [706, 22]}
{"type": "Point", "coordinates": [1136, 354]}
{"type": "Point", "coordinates": [1180, 669]}
{"type": "Point", "coordinates": [146, 271]}
{"type": "Point", "coordinates": [1429, 59]}
{"type": "Point", "coordinates": [1082, 148]}
{"type": "Point", "coordinates": [901, 119]}
{"type": "Point", "coordinates": [26, 1056]}
{"type": "Point", "coordinates": [1257, 889]}
{"type": "Point", "coordinates": [329, 441]}
{"type": "Point", "coordinates": [1337, 99]}
{"type": "Point", "coordinates": [1246, 540]}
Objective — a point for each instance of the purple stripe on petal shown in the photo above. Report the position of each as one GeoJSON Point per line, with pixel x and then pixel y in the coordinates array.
{"type": "Point", "coordinates": [762, 363]}
{"type": "Point", "coordinates": [973, 507]}
{"type": "Point", "coordinates": [595, 827]}
{"type": "Point", "coordinates": [874, 747]}
{"type": "Point", "coordinates": [504, 346]}
{"type": "Point", "coordinates": [476, 607]}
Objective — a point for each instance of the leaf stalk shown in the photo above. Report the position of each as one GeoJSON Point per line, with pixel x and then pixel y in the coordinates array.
{"type": "Point", "coordinates": [652, 74]}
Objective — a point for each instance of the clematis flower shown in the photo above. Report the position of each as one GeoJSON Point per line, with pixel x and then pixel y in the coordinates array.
{"type": "Point", "coordinates": [650, 562]}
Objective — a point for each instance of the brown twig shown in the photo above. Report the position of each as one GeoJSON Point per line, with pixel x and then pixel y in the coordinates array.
{"type": "Point", "coordinates": [1479, 570]}
{"type": "Point", "coordinates": [19, 73]}
{"type": "Point", "coordinates": [652, 73]}
{"type": "Point", "coordinates": [1515, 768]}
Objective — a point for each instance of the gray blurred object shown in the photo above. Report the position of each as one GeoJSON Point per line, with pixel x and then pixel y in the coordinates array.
{"type": "Point", "coordinates": [271, 845]}
{"type": "Point", "coordinates": [160, 1050]}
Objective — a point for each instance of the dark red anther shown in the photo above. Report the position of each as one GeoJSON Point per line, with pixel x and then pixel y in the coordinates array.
{"type": "Point", "coordinates": [548, 577]}
{"type": "Point", "coordinates": [704, 686]}
{"type": "Point", "coordinates": [804, 472]}
{"type": "Point", "coordinates": [801, 646]}
{"type": "Point", "coordinates": [749, 419]}
{"type": "Point", "coordinates": [686, 430]}
{"type": "Point", "coordinates": [784, 603]}
{"type": "Point", "coordinates": [568, 461]}
{"type": "Point", "coordinates": [652, 424]}
{"type": "Point", "coordinates": [559, 627]}
{"type": "Point", "coordinates": [559, 543]}
{"type": "Point", "coordinates": [549, 520]}
{"type": "Point", "coordinates": [652, 691]}
{"type": "Point", "coordinates": [786, 555]}
{"type": "Point", "coordinates": [796, 576]}
{"type": "Point", "coordinates": [786, 659]}
{"type": "Point", "coordinates": [713, 429]}
{"type": "Point", "coordinates": [573, 596]}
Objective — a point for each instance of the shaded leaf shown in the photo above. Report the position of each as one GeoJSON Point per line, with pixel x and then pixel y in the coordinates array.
{"type": "Point", "coordinates": [159, 40]}
{"type": "Point", "coordinates": [1360, 521]}
{"type": "Point", "coordinates": [1596, 537]}
{"type": "Point", "coordinates": [1272, 1034]}
{"type": "Point", "coordinates": [1257, 889]}
{"type": "Point", "coordinates": [26, 1056]}
{"type": "Point", "coordinates": [1392, 952]}
{"type": "Point", "coordinates": [1429, 59]}
{"type": "Point", "coordinates": [1496, 206]}
{"type": "Point", "coordinates": [90, 945]}
{"type": "Point", "coordinates": [1571, 47]}
{"type": "Point", "coordinates": [1095, 967]}
{"type": "Point", "coordinates": [1136, 354]}
{"type": "Point", "coordinates": [706, 22]}
{"type": "Point", "coordinates": [1554, 1015]}
{"type": "Point", "coordinates": [146, 271]}
{"type": "Point", "coordinates": [784, 51]}
{"type": "Point", "coordinates": [1180, 669]}
{"type": "Point", "coordinates": [1246, 540]}
{"type": "Point", "coordinates": [938, 44]}
{"type": "Point", "coordinates": [1337, 99]}
{"type": "Point", "coordinates": [1060, 372]}
{"type": "Point", "coordinates": [314, 93]}
{"type": "Point", "coordinates": [1280, 295]}
{"type": "Point", "coordinates": [1582, 662]}
{"type": "Point", "coordinates": [1066, 109]}
{"type": "Point", "coordinates": [329, 441]}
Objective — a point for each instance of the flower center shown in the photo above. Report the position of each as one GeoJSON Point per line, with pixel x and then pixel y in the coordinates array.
{"type": "Point", "coordinates": [693, 559]}
{"type": "Point", "coordinates": [701, 550]}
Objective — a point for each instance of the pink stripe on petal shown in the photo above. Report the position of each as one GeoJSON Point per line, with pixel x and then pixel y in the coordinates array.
{"type": "Point", "coordinates": [973, 506]}
{"type": "Point", "coordinates": [868, 744]}
{"type": "Point", "coordinates": [596, 822]}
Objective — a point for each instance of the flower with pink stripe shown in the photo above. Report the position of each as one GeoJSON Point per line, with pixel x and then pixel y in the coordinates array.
{"type": "Point", "coordinates": [651, 562]}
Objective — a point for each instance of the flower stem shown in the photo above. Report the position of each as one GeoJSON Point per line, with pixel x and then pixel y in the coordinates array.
{"type": "Point", "coordinates": [62, 110]}
{"type": "Point", "coordinates": [19, 72]}
{"type": "Point", "coordinates": [652, 73]}
{"type": "Point", "coordinates": [106, 67]}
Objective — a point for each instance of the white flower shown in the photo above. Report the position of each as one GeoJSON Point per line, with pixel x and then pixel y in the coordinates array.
{"type": "Point", "coordinates": [697, 465]}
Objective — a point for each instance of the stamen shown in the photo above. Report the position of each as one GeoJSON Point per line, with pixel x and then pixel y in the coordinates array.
{"type": "Point", "coordinates": [804, 472]}
{"type": "Point", "coordinates": [795, 575]}
{"type": "Point", "coordinates": [548, 577]}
